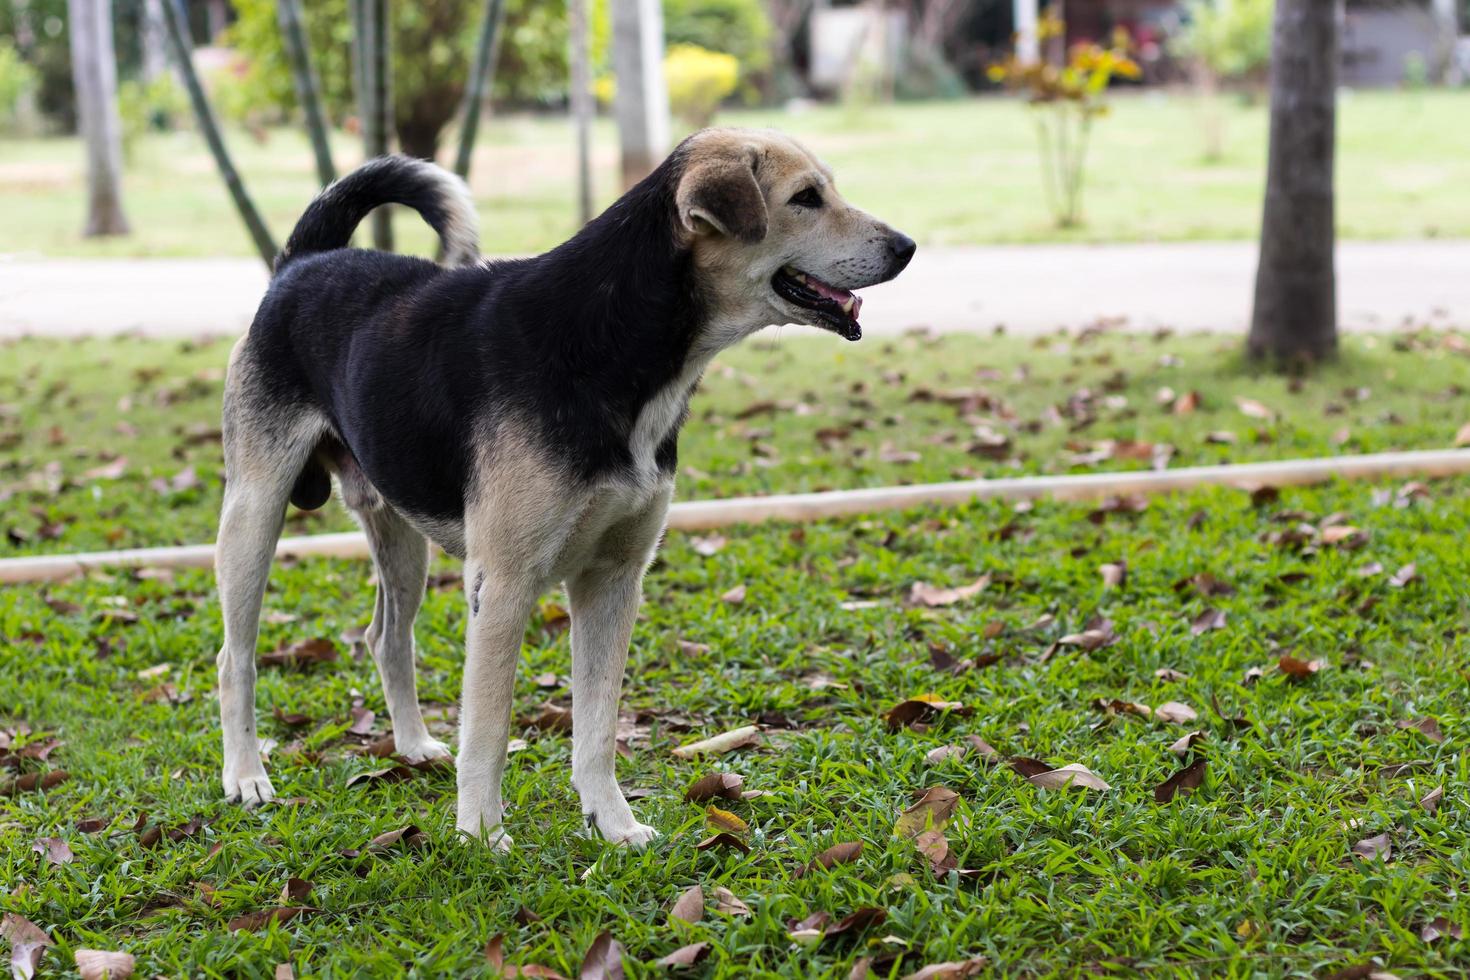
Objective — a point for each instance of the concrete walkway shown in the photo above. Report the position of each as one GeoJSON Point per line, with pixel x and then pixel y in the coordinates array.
{"type": "Point", "coordinates": [1203, 286]}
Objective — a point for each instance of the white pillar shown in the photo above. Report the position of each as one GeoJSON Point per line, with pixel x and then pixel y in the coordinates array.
{"type": "Point", "coordinates": [642, 100]}
{"type": "Point", "coordinates": [1028, 49]}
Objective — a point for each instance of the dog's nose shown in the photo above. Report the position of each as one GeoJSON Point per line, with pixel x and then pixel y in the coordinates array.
{"type": "Point", "coordinates": [903, 248]}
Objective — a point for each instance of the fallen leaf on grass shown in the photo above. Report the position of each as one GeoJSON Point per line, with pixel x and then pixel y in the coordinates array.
{"type": "Point", "coordinates": [410, 836]}
{"type": "Point", "coordinates": [54, 849]}
{"type": "Point", "coordinates": [604, 959]}
{"type": "Point", "coordinates": [1344, 536]}
{"type": "Point", "coordinates": [1183, 782]}
{"type": "Point", "coordinates": [1185, 743]}
{"type": "Point", "coordinates": [735, 596]}
{"type": "Point", "coordinates": [99, 964]}
{"type": "Point", "coordinates": [295, 891]}
{"type": "Point", "coordinates": [727, 785]}
{"type": "Point", "coordinates": [393, 774]}
{"type": "Point", "coordinates": [1038, 773]}
{"type": "Point", "coordinates": [707, 546]}
{"type": "Point", "coordinates": [1175, 712]}
{"type": "Point", "coordinates": [1370, 848]}
{"type": "Point", "coordinates": [689, 955]}
{"type": "Point", "coordinates": [28, 944]}
{"type": "Point", "coordinates": [1171, 675]}
{"type": "Point", "coordinates": [1430, 802]}
{"type": "Point", "coordinates": [551, 718]}
{"type": "Point", "coordinates": [301, 654]}
{"type": "Point", "coordinates": [689, 906]}
{"type": "Point", "coordinates": [1236, 721]}
{"type": "Point", "coordinates": [726, 902]}
{"type": "Point", "coordinates": [932, 810]}
{"type": "Point", "coordinates": [256, 921]}
{"type": "Point", "coordinates": [1094, 637]}
{"type": "Point", "coordinates": [737, 738]}
{"type": "Point", "coordinates": [284, 972]}
{"type": "Point", "coordinates": [1404, 576]}
{"type": "Point", "coordinates": [1117, 706]}
{"type": "Point", "coordinates": [1210, 619]}
{"type": "Point", "coordinates": [1440, 926]}
{"type": "Point", "coordinates": [855, 922]}
{"type": "Point", "coordinates": [34, 780]}
{"type": "Point", "coordinates": [1251, 408]}
{"type": "Point", "coordinates": [723, 840]}
{"type": "Point", "coordinates": [1298, 669]}
{"type": "Point", "coordinates": [953, 970]}
{"type": "Point", "coordinates": [495, 958]}
{"type": "Point", "coordinates": [1114, 574]}
{"type": "Point", "coordinates": [924, 594]}
{"type": "Point", "coordinates": [362, 721]}
{"type": "Point", "coordinates": [922, 708]}
{"type": "Point", "coordinates": [724, 820]}
{"type": "Point", "coordinates": [935, 848]}
{"type": "Point", "coordinates": [1428, 727]}
{"type": "Point", "coordinates": [843, 853]}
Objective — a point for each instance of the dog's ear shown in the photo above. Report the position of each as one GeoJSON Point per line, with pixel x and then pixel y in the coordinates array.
{"type": "Point", "coordinates": [720, 191]}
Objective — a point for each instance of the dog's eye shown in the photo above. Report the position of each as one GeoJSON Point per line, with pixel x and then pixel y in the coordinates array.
{"type": "Point", "coordinates": [809, 198]}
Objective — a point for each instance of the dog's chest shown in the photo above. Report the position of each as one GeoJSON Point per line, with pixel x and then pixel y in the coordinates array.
{"type": "Point", "coordinates": [659, 419]}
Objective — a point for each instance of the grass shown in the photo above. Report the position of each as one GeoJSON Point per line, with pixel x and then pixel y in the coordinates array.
{"type": "Point", "coordinates": [1250, 876]}
{"type": "Point", "coordinates": [949, 173]}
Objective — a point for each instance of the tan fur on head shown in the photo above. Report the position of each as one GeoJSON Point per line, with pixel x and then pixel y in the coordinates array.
{"type": "Point", "coordinates": [755, 202]}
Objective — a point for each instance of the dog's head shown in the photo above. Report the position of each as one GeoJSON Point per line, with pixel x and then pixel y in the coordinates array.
{"type": "Point", "coordinates": [772, 239]}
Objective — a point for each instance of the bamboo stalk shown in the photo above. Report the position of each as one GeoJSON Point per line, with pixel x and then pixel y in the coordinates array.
{"type": "Point", "coordinates": [308, 89]}
{"type": "Point", "coordinates": [381, 112]}
{"type": "Point", "coordinates": [481, 74]}
{"type": "Point", "coordinates": [177, 23]}
{"type": "Point", "coordinates": [703, 515]}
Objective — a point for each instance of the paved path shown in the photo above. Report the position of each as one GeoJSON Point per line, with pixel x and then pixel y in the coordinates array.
{"type": "Point", "coordinates": [1204, 286]}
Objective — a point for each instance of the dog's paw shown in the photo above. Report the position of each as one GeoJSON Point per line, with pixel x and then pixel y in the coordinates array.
{"type": "Point", "coordinates": [428, 750]}
{"type": "Point", "coordinates": [497, 840]}
{"type": "Point", "coordinates": [632, 834]}
{"type": "Point", "coordinates": [249, 791]}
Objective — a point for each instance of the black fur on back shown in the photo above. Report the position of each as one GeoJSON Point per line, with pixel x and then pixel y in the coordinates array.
{"type": "Point", "coordinates": [408, 360]}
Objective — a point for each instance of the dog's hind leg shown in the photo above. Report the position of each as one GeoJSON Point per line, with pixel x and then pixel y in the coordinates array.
{"type": "Point", "coordinates": [260, 471]}
{"type": "Point", "coordinates": [401, 556]}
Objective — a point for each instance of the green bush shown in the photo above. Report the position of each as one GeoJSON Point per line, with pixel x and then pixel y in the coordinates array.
{"type": "Point", "coordinates": [1232, 37]}
{"type": "Point", "coordinates": [146, 106]}
{"type": "Point", "coordinates": [17, 80]}
{"type": "Point", "coordinates": [734, 27]}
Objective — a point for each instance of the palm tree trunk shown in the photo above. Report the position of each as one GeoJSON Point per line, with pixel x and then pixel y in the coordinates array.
{"type": "Point", "coordinates": [481, 74]}
{"type": "Point", "coordinates": [94, 73]}
{"type": "Point", "coordinates": [581, 99]}
{"type": "Point", "coordinates": [308, 90]}
{"type": "Point", "coordinates": [1295, 315]}
{"type": "Point", "coordinates": [181, 44]}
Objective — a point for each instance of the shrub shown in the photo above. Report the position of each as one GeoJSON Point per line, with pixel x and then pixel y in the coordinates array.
{"type": "Point", "coordinates": [1231, 37]}
{"type": "Point", "coordinates": [144, 106]}
{"type": "Point", "coordinates": [735, 27]}
{"type": "Point", "coordinates": [17, 81]}
{"type": "Point", "coordinates": [699, 80]}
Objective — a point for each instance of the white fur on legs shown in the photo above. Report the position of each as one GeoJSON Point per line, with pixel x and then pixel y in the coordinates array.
{"type": "Point", "coordinates": [401, 557]}
{"type": "Point", "coordinates": [500, 605]}
{"type": "Point", "coordinates": [604, 603]}
{"type": "Point", "coordinates": [250, 523]}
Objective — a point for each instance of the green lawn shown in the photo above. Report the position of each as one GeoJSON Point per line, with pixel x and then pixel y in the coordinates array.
{"type": "Point", "coordinates": [1252, 875]}
{"type": "Point", "coordinates": [948, 173]}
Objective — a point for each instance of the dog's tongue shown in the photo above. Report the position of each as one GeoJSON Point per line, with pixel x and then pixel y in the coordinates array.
{"type": "Point", "coordinates": [839, 296]}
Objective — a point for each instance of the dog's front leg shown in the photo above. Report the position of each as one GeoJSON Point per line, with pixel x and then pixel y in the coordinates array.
{"type": "Point", "coordinates": [499, 607]}
{"type": "Point", "coordinates": [604, 600]}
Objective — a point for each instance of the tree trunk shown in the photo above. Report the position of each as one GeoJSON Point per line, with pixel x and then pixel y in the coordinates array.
{"type": "Point", "coordinates": [1295, 315]}
{"type": "Point", "coordinates": [642, 98]}
{"type": "Point", "coordinates": [308, 91]}
{"type": "Point", "coordinates": [482, 72]}
{"type": "Point", "coordinates": [152, 41]}
{"type": "Point", "coordinates": [581, 99]}
{"type": "Point", "coordinates": [379, 112]}
{"type": "Point", "coordinates": [181, 44]}
{"type": "Point", "coordinates": [94, 74]}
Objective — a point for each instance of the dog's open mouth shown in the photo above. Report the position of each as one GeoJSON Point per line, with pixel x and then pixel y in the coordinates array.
{"type": "Point", "coordinates": [836, 309]}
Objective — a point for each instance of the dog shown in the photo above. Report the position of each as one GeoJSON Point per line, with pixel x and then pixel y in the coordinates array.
{"type": "Point", "coordinates": [522, 414]}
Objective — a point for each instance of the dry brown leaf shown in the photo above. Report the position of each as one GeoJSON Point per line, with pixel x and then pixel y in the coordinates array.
{"type": "Point", "coordinates": [284, 972]}
{"type": "Point", "coordinates": [34, 780]}
{"type": "Point", "coordinates": [393, 774]}
{"type": "Point", "coordinates": [856, 921]}
{"type": "Point", "coordinates": [1183, 782]}
{"type": "Point", "coordinates": [1428, 727]}
{"type": "Point", "coordinates": [734, 596]}
{"type": "Point", "coordinates": [1404, 576]}
{"type": "Point", "coordinates": [690, 955]}
{"type": "Point", "coordinates": [724, 820]}
{"type": "Point", "coordinates": [727, 785]}
{"type": "Point", "coordinates": [1370, 848]}
{"type": "Point", "coordinates": [1430, 801]}
{"type": "Point", "coordinates": [100, 964]}
{"type": "Point", "coordinates": [256, 921]}
{"type": "Point", "coordinates": [1185, 743]}
{"type": "Point", "coordinates": [924, 594]}
{"type": "Point", "coordinates": [936, 756]}
{"type": "Point", "coordinates": [1344, 536]}
{"type": "Point", "coordinates": [736, 738]}
{"type": "Point", "coordinates": [953, 970]}
{"type": "Point", "coordinates": [922, 708]}
{"type": "Point", "coordinates": [708, 546]}
{"type": "Point", "coordinates": [55, 850]}
{"type": "Point", "coordinates": [1074, 776]}
{"type": "Point", "coordinates": [410, 836]}
{"type": "Point", "coordinates": [935, 848]}
{"type": "Point", "coordinates": [1440, 926]}
{"type": "Point", "coordinates": [932, 810]}
{"type": "Point", "coordinates": [1298, 669]}
{"type": "Point", "coordinates": [295, 891]}
{"type": "Point", "coordinates": [842, 853]}
{"type": "Point", "coordinates": [689, 906]}
{"type": "Point", "coordinates": [362, 721]}
{"type": "Point", "coordinates": [604, 959]}
{"type": "Point", "coordinates": [1209, 619]}
{"type": "Point", "coordinates": [28, 944]}
{"type": "Point", "coordinates": [723, 841]}
{"type": "Point", "coordinates": [1171, 675]}
{"type": "Point", "coordinates": [1114, 574]}
{"type": "Point", "coordinates": [1175, 712]}
{"type": "Point", "coordinates": [726, 902]}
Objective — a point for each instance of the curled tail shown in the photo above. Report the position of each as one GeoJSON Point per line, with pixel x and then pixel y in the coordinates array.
{"type": "Point", "coordinates": [438, 195]}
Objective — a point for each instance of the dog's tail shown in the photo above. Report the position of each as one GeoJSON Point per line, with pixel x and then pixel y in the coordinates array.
{"type": "Point", "coordinates": [438, 195]}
